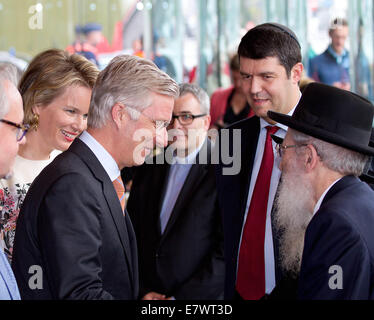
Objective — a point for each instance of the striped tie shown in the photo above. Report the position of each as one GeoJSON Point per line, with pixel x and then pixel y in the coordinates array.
{"type": "Point", "coordinates": [120, 189]}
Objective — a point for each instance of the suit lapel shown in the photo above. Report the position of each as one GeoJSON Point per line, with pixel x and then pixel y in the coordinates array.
{"type": "Point", "coordinates": [194, 177]}
{"type": "Point", "coordinates": [133, 249]}
{"type": "Point", "coordinates": [250, 135]}
{"type": "Point", "coordinates": [84, 152]}
{"type": "Point", "coordinates": [119, 220]}
{"type": "Point", "coordinates": [160, 179]}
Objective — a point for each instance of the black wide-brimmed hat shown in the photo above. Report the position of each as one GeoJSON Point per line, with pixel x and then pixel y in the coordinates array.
{"type": "Point", "coordinates": [332, 115]}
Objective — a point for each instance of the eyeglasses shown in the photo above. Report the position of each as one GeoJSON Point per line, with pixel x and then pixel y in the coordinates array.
{"type": "Point", "coordinates": [280, 148]}
{"type": "Point", "coordinates": [186, 118]}
{"type": "Point", "coordinates": [21, 129]}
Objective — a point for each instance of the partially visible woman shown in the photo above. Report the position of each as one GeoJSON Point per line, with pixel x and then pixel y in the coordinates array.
{"type": "Point", "coordinates": [56, 92]}
{"type": "Point", "coordinates": [230, 105]}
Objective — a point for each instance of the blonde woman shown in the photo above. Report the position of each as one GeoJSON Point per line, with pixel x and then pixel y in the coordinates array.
{"type": "Point", "coordinates": [56, 92]}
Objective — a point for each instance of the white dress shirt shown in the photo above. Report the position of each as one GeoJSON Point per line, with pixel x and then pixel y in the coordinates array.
{"type": "Point", "coordinates": [104, 157]}
{"type": "Point", "coordinates": [178, 172]}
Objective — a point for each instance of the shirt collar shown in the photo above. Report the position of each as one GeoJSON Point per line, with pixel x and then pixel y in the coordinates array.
{"type": "Point", "coordinates": [338, 57]}
{"type": "Point", "coordinates": [319, 202]}
{"type": "Point", "coordinates": [104, 157]}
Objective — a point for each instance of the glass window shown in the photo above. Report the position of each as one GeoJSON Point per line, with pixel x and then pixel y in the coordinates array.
{"type": "Point", "coordinates": [361, 26]}
{"type": "Point", "coordinates": [191, 40]}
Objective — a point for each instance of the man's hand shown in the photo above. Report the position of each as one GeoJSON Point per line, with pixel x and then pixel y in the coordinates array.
{"type": "Point", "coordinates": [154, 296]}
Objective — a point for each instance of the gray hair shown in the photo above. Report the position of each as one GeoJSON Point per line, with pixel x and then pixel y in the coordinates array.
{"type": "Point", "coordinates": [336, 158]}
{"type": "Point", "coordinates": [199, 93]}
{"type": "Point", "coordinates": [8, 72]}
{"type": "Point", "coordinates": [4, 107]}
{"type": "Point", "coordinates": [128, 80]}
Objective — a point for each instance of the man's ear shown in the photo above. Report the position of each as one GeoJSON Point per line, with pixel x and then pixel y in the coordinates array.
{"type": "Point", "coordinates": [297, 72]}
{"type": "Point", "coordinates": [207, 122]}
{"type": "Point", "coordinates": [311, 158]}
{"type": "Point", "coordinates": [118, 112]}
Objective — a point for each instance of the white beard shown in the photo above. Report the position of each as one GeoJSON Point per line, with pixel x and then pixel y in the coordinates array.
{"type": "Point", "coordinates": [294, 205]}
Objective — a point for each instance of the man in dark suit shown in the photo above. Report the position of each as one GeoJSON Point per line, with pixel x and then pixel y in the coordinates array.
{"type": "Point", "coordinates": [179, 227]}
{"type": "Point", "coordinates": [270, 73]}
{"type": "Point", "coordinates": [326, 148]}
{"type": "Point", "coordinates": [74, 240]}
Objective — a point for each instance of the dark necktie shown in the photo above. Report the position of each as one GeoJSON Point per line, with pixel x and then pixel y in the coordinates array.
{"type": "Point", "coordinates": [250, 282]}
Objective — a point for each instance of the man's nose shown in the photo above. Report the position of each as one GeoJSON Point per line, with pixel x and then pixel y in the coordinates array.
{"type": "Point", "coordinates": [255, 86]}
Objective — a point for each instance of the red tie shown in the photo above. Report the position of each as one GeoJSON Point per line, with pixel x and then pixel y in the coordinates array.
{"type": "Point", "coordinates": [120, 189]}
{"type": "Point", "coordinates": [250, 282]}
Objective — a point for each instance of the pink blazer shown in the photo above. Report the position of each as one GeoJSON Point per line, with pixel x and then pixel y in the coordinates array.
{"type": "Point", "coordinates": [218, 103]}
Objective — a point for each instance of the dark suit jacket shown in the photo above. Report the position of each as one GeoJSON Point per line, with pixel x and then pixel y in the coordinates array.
{"type": "Point", "coordinates": [340, 234]}
{"type": "Point", "coordinates": [186, 261]}
{"type": "Point", "coordinates": [233, 195]}
{"type": "Point", "coordinates": [71, 225]}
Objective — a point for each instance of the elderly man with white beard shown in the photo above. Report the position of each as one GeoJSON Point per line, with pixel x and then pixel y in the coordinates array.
{"type": "Point", "coordinates": [326, 148]}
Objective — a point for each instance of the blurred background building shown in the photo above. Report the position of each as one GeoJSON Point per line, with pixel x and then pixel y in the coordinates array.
{"type": "Point", "coordinates": [192, 40]}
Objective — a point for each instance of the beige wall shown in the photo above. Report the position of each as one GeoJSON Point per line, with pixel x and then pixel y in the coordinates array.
{"type": "Point", "coordinates": [59, 19]}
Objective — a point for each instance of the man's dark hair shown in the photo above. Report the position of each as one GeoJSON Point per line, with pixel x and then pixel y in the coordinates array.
{"type": "Point", "coordinates": [337, 23]}
{"type": "Point", "coordinates": [271, 40]}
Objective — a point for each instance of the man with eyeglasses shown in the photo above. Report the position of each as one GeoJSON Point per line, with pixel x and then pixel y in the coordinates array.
{"type": "Point", "coordinates": [325, 213]}
{"type": "Point", "coordinates": [12, 135]}
{"type": "Point", "coordinates": [178, 227]}
{"type": "Point", "coordinates": [74, 231]}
